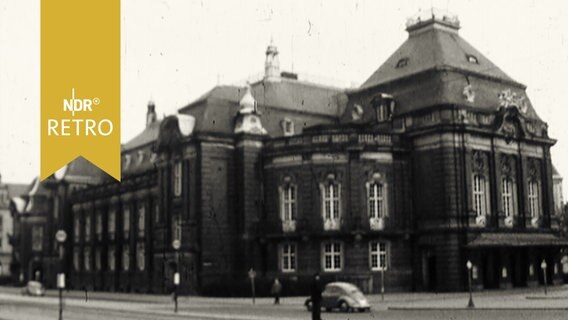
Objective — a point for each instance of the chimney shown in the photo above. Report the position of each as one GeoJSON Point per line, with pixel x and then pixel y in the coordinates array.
{"type": "Point", "coordinates": [151, 114]}
{"type": "Point", "coordinates": [272, 65]}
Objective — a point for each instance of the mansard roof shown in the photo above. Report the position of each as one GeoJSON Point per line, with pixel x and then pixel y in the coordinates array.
{"type": "Point", "coordinates": [302, 102]}
{"type": "Point", "coordinates": [435, 66]}
{"type": "Point", "coordinates": [433, 45]}
{"type": "Point", "coordinates": [148, 135]}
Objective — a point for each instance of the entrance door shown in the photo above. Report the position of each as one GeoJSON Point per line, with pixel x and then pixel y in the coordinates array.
{"type": "Point", "coordinates": [428, 270]}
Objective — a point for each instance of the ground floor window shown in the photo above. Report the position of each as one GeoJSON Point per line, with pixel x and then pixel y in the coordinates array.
{"type": "Point", "coordinates": [76, 259]}
{"type": "Point", "coordinates": [111, 259]}
{"type": "Point", "coordinates": [126, 258]}
{"type": "Point", "coordinates": [378, 255]}
{"type": "Point", "coordinates": [140, 256]}
{"type": "Point", "coordinates": [332, 256]}
{"type": "Point", "coordinates": [288, 257]}
{"type": "Point", "coordinates": [87, 259]}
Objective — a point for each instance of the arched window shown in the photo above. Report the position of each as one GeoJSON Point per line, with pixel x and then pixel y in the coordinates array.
{"type": "Point", "coordinates": [331, 209]}
{"type": "Point", "coordinates": [507, 196]}
{"type": "Point", "coordinates": [479, 195]}
{"type": "Point", "coordinates": [376, 195]}
{"type": "Point", "coordinates": [533, 197]}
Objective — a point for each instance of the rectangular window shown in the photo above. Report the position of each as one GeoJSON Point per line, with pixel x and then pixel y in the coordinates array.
{"type": "Point", "coordinates": [288, 257]}
{"type": "Point", "coordinates": [111, 259]}
{"type": "Point", "coordinates": [377, 203]}
{"type": "Point", "coordinates": [99, 226]}
{"type": "Point", "coordinates": [378, 255]}
{"type": "Point", "coordinates": [332, 256]}
{"type": "Point", "coordinates": [141, 219]}
{"type": "Point", "coordinates": [140, 256]}
{"type": "Point", "coordinates": [126, 258]}
{"type": "Point", "coordinates": [177, 178]}
{"type": "Point", "coordinates": [87, 227]}
{"type": "Point", "coordinates": [479, 201]}
{"type": "Point", "coordinates": [157, 217]}
{"type": "Point", "coordinates": [507, 196]}
{"type": "Point", "coordinates": [55, 208]}
{"type": "Point", "coordinates": [37, 238]}
{"type": "Point", "coordinates": [87, 258]}
{"type": "Point", "coordinates": [533, 196]}
{"type": "Point", "coordinates": [76, 259]}
{"type": "Point", "coordinates": [176, 227]}
{"type": "Point", "coordinates": [111, 223]}
{"type": "Point", "coordinates": [77, 229]}
{"type": "Point", "coordinates": [331, 201]}
{"type": "Point", "coordinates": [98, 259]}
{"type": "Point", "coordinates": [289, 203]}
{"type": "Point", "coordinates": [126, 221]}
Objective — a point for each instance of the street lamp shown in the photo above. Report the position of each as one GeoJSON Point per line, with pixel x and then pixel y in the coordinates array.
{"type": "Point", "coordinates": [543, 267]}
{"type": "Point", "coordinates": [469, 266]}
{"type": "Point", "coordinates": [176, 244]}
{"type": "Point", "coordinates": [61, 236]}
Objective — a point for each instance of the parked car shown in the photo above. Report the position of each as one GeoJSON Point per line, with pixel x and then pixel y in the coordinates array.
{"type": "Point", "coordinates": [33, 288]}
{"type": "Point", "coordinates": [343, 296]}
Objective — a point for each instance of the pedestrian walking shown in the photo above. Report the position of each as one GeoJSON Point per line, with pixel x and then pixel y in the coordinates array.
{"type": "Point", "coordinates": [276, 290]}
{"type": "Point", "coordinates": [316, 297]}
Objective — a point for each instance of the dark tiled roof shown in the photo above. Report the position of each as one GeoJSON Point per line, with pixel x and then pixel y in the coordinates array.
{"type": "Point", "coordinates": [148, 135]}
{"type": "Point", "coordinates": [433, 48]}
{"type": "Point", "coordinates": [437, 72]}
{"type": "Point", "coordinates": [16, 189]}
{"type": "Point", "coordinates": [82, 171]}
{"type": "Point", "coordinates": [555, 172]}
{"type": "Point", "coordinates": [304, 103]}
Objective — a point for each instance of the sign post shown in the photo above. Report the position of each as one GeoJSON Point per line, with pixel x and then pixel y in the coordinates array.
{"type": "Point", "coordinates": [469, 266]}
{"type": "Point", "coordinates": [176, 244]}
{"type": "Point", "coordinates": [252, 275]}
{"type": "Point", "coordinates": [60, 237]}
{"type": "Point", "coordinates": [383, 284]}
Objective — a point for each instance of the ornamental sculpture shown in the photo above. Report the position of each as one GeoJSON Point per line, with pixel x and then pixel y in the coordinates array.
{"type": "Point", "coordinates": [507, 99]}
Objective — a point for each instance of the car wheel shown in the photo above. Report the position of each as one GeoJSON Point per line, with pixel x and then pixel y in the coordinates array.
{"type": "Point", "coordinates": [344, 306]}
{"type": "Point", "coordinates": [328, 309]}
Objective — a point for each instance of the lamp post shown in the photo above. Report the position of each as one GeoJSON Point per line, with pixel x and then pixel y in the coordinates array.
{"type": "Point", "coordinates": [61, 236]}
{"type": "Point", "coordinates": [176, 244]}
{"type": "Point", "coordinates": [543, 267]}
{"type": "Point", "coordinates": [469, 266]}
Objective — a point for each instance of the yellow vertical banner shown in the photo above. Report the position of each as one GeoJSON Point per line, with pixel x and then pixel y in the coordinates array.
{"type": "Point", "coordinates": [80, 84]}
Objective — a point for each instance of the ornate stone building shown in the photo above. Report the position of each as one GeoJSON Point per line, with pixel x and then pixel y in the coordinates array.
{"type": "Point", "coordinates": [437, 159]}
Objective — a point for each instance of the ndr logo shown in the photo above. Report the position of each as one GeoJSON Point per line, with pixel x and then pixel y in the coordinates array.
{"type": "Point", "coordinates": [79, 105]}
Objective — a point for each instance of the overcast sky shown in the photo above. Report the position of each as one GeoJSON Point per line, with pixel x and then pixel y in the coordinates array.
{"type": "Point", "coordinates": [175, 50]}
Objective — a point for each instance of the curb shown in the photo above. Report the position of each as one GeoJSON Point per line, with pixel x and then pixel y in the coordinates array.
{"type": "Point", "coordinates": [545, 298]}
{"type": "Point", "coordinates": [470, 309]}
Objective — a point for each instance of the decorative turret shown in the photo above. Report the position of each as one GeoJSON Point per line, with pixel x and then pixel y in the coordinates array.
{"type": "Point", "coordinates": [272, 65]}
{"type": "Point", "coordinates": [151, 116]}
{"type": "Point", "coordinates": [248, 117]}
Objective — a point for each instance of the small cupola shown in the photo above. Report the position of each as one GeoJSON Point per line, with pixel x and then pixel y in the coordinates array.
{"type": "Point", "coordinates": [151, 116]}
{"type": "Point", "coordinates": [248, 117]}
{"type": "Point", "coordinates": [271, 64]}
{"type": "Point", "coordinates": [247, 103]}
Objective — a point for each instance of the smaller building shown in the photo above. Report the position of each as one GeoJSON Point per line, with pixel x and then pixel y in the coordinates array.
{"type": "Point", "coordinates": [7, 191]}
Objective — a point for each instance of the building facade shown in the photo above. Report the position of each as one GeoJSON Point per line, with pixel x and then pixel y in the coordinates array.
{"type": "Point", "coordinates": [439, 158]}
{"type": "Point", "coordinates": [7, 191]}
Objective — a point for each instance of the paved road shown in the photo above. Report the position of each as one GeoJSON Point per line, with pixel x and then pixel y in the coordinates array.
{"type": "Point", "coordinates": [490, 305]}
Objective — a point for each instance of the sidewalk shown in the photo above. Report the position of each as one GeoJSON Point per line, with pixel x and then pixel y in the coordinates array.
{"type": "Point", "coordinates": [520, 298]}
